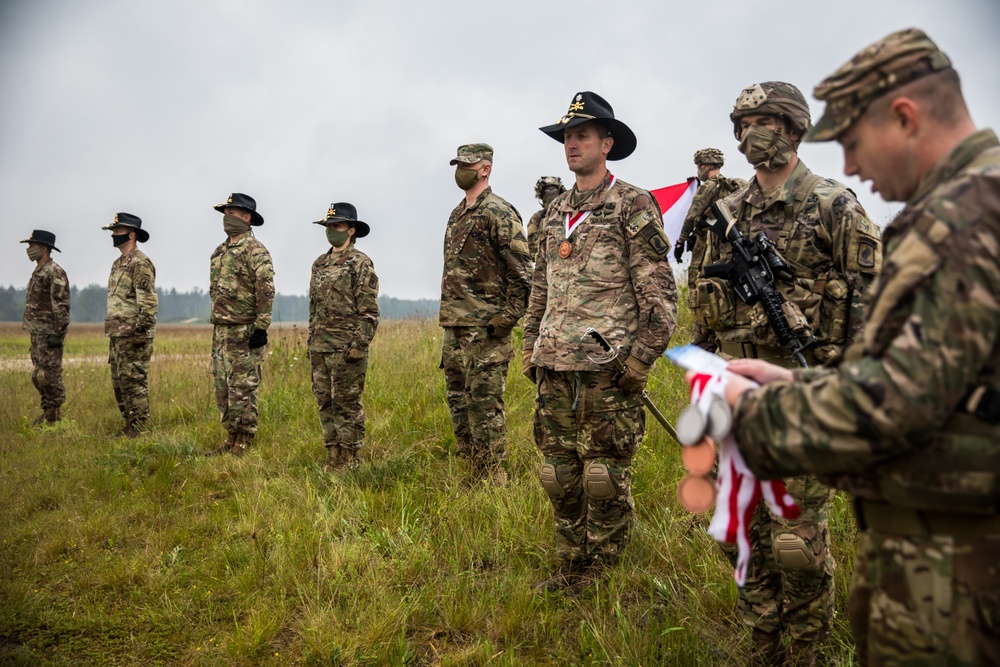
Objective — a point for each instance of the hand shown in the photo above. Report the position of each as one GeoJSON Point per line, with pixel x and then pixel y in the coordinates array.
{"type": "Point", "coordinates": [498, 328]}
{"type": "Point", "coordinates": [759, 371]}
{"type": "Point", "coordinates": [141, 328]}
{"type": "Point", "coordinates": [54, 340]}
{"type": "Point", "coordinates": [356, 354]}
{"type": "Point", "coordinates": [633, 380]}
{"type": "Point", "coordinates": [258, 339]}
{"type": "Point", "coordinates": [528, 368]}
{"type": "Point", "coordinates": [678, 251]}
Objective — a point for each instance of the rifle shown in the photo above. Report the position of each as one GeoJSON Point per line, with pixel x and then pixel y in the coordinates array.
{"type": "Point", "coordinates": [751, 273]}
{"type": "Point", "coordinates": [620, 365]}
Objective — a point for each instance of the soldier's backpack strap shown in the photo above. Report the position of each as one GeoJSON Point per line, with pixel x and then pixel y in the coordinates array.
{"type": "Point", "coordinates": [801, 196]}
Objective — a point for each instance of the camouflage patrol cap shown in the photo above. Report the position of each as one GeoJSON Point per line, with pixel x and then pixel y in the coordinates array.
{"type": "Point", "coordinates": [473, 153]}
{"type": "Point", "coordinates": [772, 98]}
{"type": "Point", "coordinates": [709, 156]}
{"type": "Point", "coordinates": [545, 181]}
{"type": "Point", "coordinates": [891, 62]}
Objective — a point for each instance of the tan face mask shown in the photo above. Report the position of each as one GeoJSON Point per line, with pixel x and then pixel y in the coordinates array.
{"type": "Point", "coordinates": [234, 226]}
{"type": "Point", "coordinates": [766, 148]}
{"type": "Point", "coordinates": [35, 253]}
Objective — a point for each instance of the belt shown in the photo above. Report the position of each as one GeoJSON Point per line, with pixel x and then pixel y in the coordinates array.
{"type": "Point", "coordinates": [883, 518]}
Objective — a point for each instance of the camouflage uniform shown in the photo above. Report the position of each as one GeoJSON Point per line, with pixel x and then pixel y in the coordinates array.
{"type": "Point", "coordinates": [242, 291]}
{"type": "Point", "coordinates": [343, 316]}
{"type": "Point", "coordinates": [46, 315]}
{"type": "Point", "coordinates": [486, 280]}
{"type": "Point", "coordinates": [617, 280]}
{"type": "Point", "coordinates": [909, 421]}
{"type": "Point", "coordinates": [130, 324]}
{"type": "Point", "coordinates": [536, 220]}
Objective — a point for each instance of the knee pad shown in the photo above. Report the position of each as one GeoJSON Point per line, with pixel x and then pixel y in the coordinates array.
{"type": "Point", "coordinates": [38, 379]}
{"type": "Point", "coordinates": [550, 481]}
{"type": "Point", "coordinates": [597, 482]}
{"type": "Point", "coordinates": [792, 552]}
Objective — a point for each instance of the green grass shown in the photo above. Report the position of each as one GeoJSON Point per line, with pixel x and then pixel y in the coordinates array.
{"type": "Point", "coordinates": [118, 551]}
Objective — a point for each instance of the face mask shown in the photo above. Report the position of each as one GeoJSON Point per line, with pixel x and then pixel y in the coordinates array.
{"type": "Point", "coordinates": [548, 196]}
{"type": "Point", "coordinates": [119, 239]}
{"type": "Point", "coordinates": [337, 239]}
{"type": "Point", "coordinates": [234, 226]}
{"type": "Point", "coordinates": [35, 254]}
{"type": "Point", "coordinates": [466, 178]}
{"type": "Point", "coordinates": [766, 148]}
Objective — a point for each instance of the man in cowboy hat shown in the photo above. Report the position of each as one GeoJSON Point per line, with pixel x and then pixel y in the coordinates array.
{"type": "Point", "coordinates": [343, 317]}
{"type": "Point", "coordinates": [602, 262]}
{"type": "Point", "coordinates": [547, 188]}
{"type": "Point", "coordinates": [484, 291]}
{"type": "Point", "coordinates": [130, 322]}
{"type": "Point", "coordinates": [242, 291]}
{"type": "Point", "coordinates": [46, 318]}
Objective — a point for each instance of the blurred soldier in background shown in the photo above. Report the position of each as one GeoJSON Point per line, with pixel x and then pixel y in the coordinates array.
{"type": "Point", "coordinates": [547, 188]}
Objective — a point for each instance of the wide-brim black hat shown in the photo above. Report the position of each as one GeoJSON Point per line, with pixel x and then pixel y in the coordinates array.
{"type": "Point", "coordinates": [132, 222]}
{"type": "Point", "coordinates": [245, 202]}
{"type": "Point", "coordinates": [43, 237]}
{"type": "Point", "coordinates": [586, 107]}
{"type": "Point", "coordinates": [344, 212]}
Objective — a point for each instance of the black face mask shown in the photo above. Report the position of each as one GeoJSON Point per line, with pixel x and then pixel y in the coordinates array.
{"type": "Point", "coordinates": [119, 239]}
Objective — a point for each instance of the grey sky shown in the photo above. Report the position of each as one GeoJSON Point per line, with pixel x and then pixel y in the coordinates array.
{"type": "Point", "coordinates": [162, 108]}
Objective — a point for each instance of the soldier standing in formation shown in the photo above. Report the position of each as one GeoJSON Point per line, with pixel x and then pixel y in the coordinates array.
{"type": "Point", "coordinates": [833, 252]}
{"type": "Point", "coordinates": [46, 318]}
{"type": "Point", "coordinates": [343, 317]}
{"type": "Point", "coordinates": [909, 420]}
{"type": "Point", "coordinates": [546, 189]}
{"type": "Point", "coordinates": [130, 321]}
{"type": "Point", "coordinates": [714, 186]}
{"type": "Point", "coordinates": [242, 292]}
{"type": "Point", "coordinates": [602, 262]}
{"type": "Point", "coordinates": [484, 291]}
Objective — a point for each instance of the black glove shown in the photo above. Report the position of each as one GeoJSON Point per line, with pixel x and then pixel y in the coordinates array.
{"type": "Point", "coordinates": [690, 243]}
{"type": "Point", "coordinates": [54, 340]}
{"type": "Point", "coordinates": [258, 339]}
{"type": "Point", "coordinates": [678, 251]}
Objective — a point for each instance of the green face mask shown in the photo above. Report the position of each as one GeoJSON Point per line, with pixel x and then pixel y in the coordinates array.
{"type": "Point", "coordinates": [337, 239]}
{"type": "Point", "coordinates": [766, 148]}
{"type": "Point", "coordinates": [35, 254]}
{"type": "Point", "coordinates": [466, 178]}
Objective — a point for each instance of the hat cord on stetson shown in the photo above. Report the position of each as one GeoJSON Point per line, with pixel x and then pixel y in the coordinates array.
{"type": "Point", "coordinates": [571, 115]}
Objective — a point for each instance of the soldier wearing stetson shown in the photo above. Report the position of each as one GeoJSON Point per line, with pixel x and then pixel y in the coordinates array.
{"type": "Point", "coordinates": [242, 291]}
{"type": "Point", "coordinates": [602, 262]}
{"type": "Point", "coordinates": [343, 317]}
{"type": "Point", "coordinates": [130, 321]}
{"type": "Point", "coordinates": [46, 318]}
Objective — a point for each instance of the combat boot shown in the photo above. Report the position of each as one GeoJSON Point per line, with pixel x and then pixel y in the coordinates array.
{"type": "Point", "coordinates": [242, 443]}
{"type": "Point", "coordinates": [767, 649]}
{"type": "Point", "coordinates": [348, 458]}
{"type": "Point", "coordinates": [48, 417]}
{"type": "Point", "coordinates": [569, 574]}
{"type": "Point", "coordinates": [225, 447]}
{"type": "Point", "coordinates": [800, 654]}
{"type": "Point", "coordinates": [332, 458]}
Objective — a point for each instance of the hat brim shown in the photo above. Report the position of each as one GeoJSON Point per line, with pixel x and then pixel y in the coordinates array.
{"type": "Point", "coordinates": [47, 245]}
{"type": "Point", "coordinates": [466, 160]}
{"type": "Point", "coordinates": [828, 128]}
{"type": "Point", "coordinates": [361, 229]}
{"type": "Point", "coordinates": [625, 141]}
{"type": "Point", "coordinates": [256, 219]}
{"type": "Point", "coordinates": [141, 235]}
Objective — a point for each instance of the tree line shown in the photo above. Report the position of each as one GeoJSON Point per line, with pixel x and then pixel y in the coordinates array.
{"type": "Point", "coordinates": [88, 304]}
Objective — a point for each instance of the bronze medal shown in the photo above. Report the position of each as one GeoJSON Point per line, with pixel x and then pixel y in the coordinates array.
{"type": "Point", "coordinates": [565, 249]}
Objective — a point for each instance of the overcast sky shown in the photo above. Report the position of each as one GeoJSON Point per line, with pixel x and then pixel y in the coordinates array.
{"type": "Point", "coordinates": [162, 108]}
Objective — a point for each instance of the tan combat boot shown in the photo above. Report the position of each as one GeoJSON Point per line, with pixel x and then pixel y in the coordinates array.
{"type": "Point", "coordinates": [242, 443]}
{"type": "Point", "coordinates": [767, 649]}
{"type": "Point", "coordinates": [225, 447]}
{"type": "Point", "coordinates": [349, 458]}
{"type": "Point", "coordinates": [570, 574]}
{"type": "Point", "coordinates": [332, 458]}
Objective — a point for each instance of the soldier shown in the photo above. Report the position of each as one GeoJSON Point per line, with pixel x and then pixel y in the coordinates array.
{"type": "Point", "coordinates": [46, 318]}
{"type": "Point", "coordinates": [602, 262]}
{"type": "Point", "coordinates": [343, 317]}
{"type": "Point", "coordinates": [547, 188]}
{"type": "Point", "coordinates": [909, 420]}
{"type": "Point", "coordinates": [130, 321]}
{"type": "Point", "coordinates": [714, 186]}
{"type": "Point", "coordinates": [242, 291]}
{"type": "Point", "coordinates": [833, 252]}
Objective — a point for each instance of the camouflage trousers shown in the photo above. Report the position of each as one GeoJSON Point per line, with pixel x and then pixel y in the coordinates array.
{"type": "Point", "coordinates": [236, 372]}
{"type": "Point", "coordinates": [789, 583]}
{"type": "Point", "coordinates": [129, 359]}
{"type": "Point", "coordinates": [475, 372]}
{"type": "Point", "coordinates": [47, 372]}
{"type": "Point", "coordinates": [337, 384]}
{"type": "Point", "coordinates": [926, 600]}
{"type": "Point", "coordinates": [588, 430]}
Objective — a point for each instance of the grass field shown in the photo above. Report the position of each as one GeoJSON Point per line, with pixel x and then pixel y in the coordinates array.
{"type": "Point", "coordinates": [117, 551]}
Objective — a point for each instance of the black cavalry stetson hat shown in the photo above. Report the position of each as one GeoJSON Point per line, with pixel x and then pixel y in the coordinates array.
{"type": "Point", "coordinates": [588, 106]}
{"type": "Point", "coordinates": [245, 202]}
{"type": "Point", "coordinates": [344, 212]}
{"type": "Point", "coordinates": [132, 222]}
{"type": "Point", "coordinates": [43, 237]}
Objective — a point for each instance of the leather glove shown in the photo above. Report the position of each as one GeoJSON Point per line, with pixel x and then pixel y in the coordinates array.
{"type": "Point", "coordinates": [633, 380]}
{"type": "Point", "coordinates": [528, 368]}
{"type": "Point", "coordinates": [258, 339]}
{"type": "Point", "coordinates": [678, 251]}
{"type": "Point", "coordinates": [690, 243]}
{"type": "Point", "coordinates": [355, 354]}
{"type": "Point", "coordinates": [497, 328]}
{"type": "Point", "coordinates": [54, 340]}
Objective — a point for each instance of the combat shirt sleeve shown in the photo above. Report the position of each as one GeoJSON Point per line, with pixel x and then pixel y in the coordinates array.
{"type": "Point", "coordinates": [144, 283]}
{"type": "Point", "coordinates": [652, 278]}
{"type": "Point", "coordinates": [263, 270]}
{"type": "Point", "coordinates": [538, 299]}
{"type": "Point", "coordinates": [59, 295]}
{"type": "Point", "coordinates": [702, 198]}
{"type": "Point", "coordinates": [515, 259]}
{"type": "Point", "coordinates": [366, 298]}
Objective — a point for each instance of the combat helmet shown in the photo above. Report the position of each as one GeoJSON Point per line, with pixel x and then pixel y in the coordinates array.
{"type": "Point", "coordinates": [772, 98]}
{"type": "Point", "coordinates": [712, 156]}
{"type": "Point", "coordinates": [548, 180]}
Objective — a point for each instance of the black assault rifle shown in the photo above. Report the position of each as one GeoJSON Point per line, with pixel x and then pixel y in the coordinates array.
{"type": "Point", "coordinates": [751, 273]}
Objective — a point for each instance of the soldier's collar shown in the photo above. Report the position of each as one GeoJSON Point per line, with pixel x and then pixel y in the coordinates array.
{"type": "Point", "coordinates": [949, 165]}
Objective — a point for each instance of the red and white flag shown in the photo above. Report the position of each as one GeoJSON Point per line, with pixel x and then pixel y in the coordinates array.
{"type": "Point", "coordinates": [675, 200]}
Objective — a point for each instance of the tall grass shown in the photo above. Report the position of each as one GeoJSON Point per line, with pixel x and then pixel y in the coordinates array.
{"type": "Point", "coordinates": [117, 551]}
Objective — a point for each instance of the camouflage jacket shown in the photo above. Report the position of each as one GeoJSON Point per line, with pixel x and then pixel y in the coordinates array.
{"type": "Point", "coordinates": [132, 297]}
{"type": "Point", "coordinates": [533, 224]}
{"type": "Point", "coordinates": [485, 264]}
{"type": "Point", "coordinates": [715, 188]}
{"type": "Point", "coordinates": [46, 303]}
{"type": "Point", "coordinates": [343, 301]}
{"type": "Point", "coordinates": [242, 283]}
{"type": "Point", "coordinates": [833, 252]}
{"type": "Point", "coordinates": [616, 279]}
{"type": "Point", "coordinates": [891, 422]}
